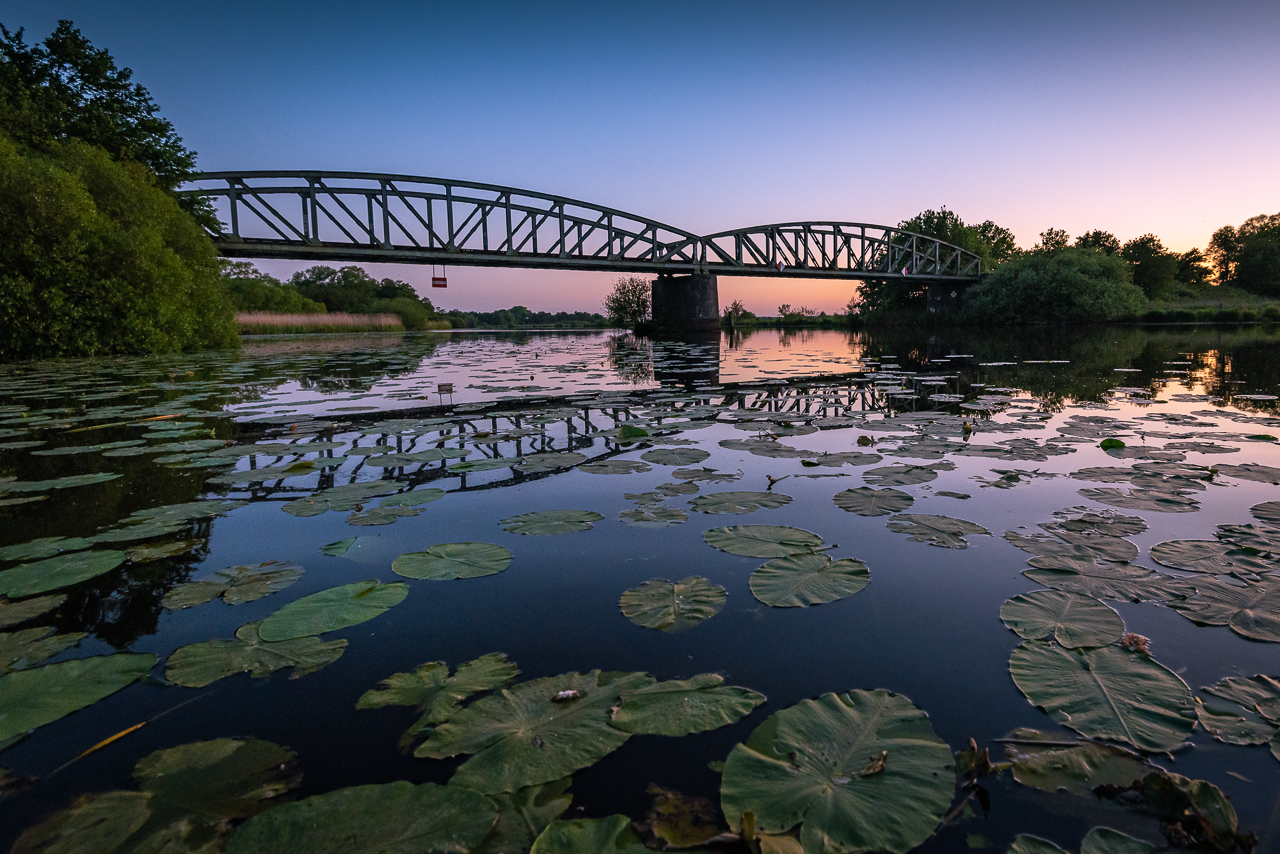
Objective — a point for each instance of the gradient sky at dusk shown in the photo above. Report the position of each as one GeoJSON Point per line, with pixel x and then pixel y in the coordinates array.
{"type": "Point", "coordinates": [1132, 117]}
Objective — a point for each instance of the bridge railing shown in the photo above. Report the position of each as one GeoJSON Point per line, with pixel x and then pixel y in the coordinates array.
{"type": "Point", "coordinates": [356, 216]}
{"type": "Point", "coordinates": [361, 217]}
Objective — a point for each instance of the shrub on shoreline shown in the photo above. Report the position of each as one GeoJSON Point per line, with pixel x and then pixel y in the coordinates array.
{"type": "Point", "coordinates": [1070, 285]}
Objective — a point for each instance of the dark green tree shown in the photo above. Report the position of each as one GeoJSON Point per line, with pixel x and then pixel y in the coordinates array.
{"type": "Point", "coordinates": [1193, 269]}
{"type": "Point", "coordinates": [65, 88]}
{"type": "Point", "coordinates": [1052, 241]}
{"type": "Point", "coordinates": [1103, 241]}
{"type": "Point", "coordinates": [1258, 256]}
{"type": "Point", "coordinates": [95, 259]}
{"type": "Point", "coordinates": [1154, 267]}
{"type": "Point", "coordinates": [1224, 249]}
{"type": "Point", "coordinates": [1071, 285]}
{"type": "Point", "coordinates": [353, 290]}
{"type": "Point", "coordinates": [992, 243]}
{"type": "Point", "coordinates": [629, 301]}
{"type": "Point", "coordinates": [251, 289]}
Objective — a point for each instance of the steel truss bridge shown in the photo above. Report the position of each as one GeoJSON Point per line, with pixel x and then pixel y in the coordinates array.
{"type": "Point", "coordinates": [369, 217]}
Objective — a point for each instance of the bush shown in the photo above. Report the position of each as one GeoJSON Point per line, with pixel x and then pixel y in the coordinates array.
{"type": "Point", "coordinates": [253, 290]}
{"type": "Point", "coordinates": [1271, 312]}
{"type": "Point", "coordinates": [1154, 316]}
{"type": "Point", "coordinates": [1072, 285]}
{"type": "Point", "coordinates": [96, 259]}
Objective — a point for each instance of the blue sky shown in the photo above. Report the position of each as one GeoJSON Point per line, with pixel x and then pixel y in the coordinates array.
{"type": "Point", "coordinates": [1131, 116]}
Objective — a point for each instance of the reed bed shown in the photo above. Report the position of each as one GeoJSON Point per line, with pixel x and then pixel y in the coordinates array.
{"type": "Point", "coordinates": [275, 322]}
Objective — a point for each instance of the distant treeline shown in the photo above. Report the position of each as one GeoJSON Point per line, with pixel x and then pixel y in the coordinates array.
{"type": "Point", "coordinates": [518, 317]}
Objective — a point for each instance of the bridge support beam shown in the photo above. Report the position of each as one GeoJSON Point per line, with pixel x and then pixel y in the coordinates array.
{"type": "Point", "coordinates": [686, 303]}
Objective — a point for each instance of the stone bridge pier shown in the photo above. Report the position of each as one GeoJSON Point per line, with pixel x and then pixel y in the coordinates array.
{"type": "Point", "coordinates": [686, 303]}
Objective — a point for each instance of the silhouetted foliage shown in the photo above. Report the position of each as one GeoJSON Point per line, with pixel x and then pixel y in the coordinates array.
{"type": "Point", "coordinates": [1193, 269]}
{"type": "Point", "coordinates": [1154, 268]}
{"type": "Point", "coordinates": [1103, 241]}
{"type": "Point", "coordinates": [1052, 241]}
{"type": "Point", "coordinates": [251, 289]}
{"type": "Point", "coordinates": [1070, 285]}
{"type": "Point", "coordinates": [96, 259]}
{"type": "Point", "coordinates": [353, 290]}
{"type": "Point", "coordinates": [65, 88]}
{"type": "Point", "coordinates": [1224, 246]}
{"type": "Point", "coordinates": [629, 301]}
{"type": "Point", "coordinates": [992, 243]}
{"type": "Point", "coordinates": [518, 316]}
{"type": "Point", "coordinates": [1257, 260]}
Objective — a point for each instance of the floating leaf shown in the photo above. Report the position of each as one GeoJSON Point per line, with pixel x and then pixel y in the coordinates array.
{"type": "Point", "coordinates": [44, 547]}
{"type": "Point", "coordinates": [679, 821]}
{"type": "Point", "coordinates": [483, 465]}
{"type": "Point", "coordinates": [380, 516]}
{"type": "Point", "coordinates": [534, 463]}
{"type": "Point", "coordinates": [534, 732]}
{"type": "Point", "coordinates": [1251, 609]}
{"type": "Point", "coordinates": [1268, 513]}
{"type": "Point", "coordinates": [1251, 471]}
{"type": "Point", "coordinates": [95, 823]}
{"type": "Point", "coordinates": [60, 571]}
{"type": "Point", "coordinates": [1143, 499]}
{"type": "Point", "coordinates": [861, 771]}
{"type": "Point", "coordinates": [332, 609]}
{"type": "Point", "coordinates": [414, 498]}
{"type": "Point", "coordinates": [1209, 556]}
{"type": "Point", "coordinates": [1071, 619]}
{"type": "Point", "coordinates": [29, 647]}
{"type": "Point", "coordinates": [589, 836]}
{"type": "Point", "coordinates": [435, 693]}
{"type": "Point", "coordinates": [1108, 444]}
{"type": "Point", "coordinates": [1045, 762]}
{"type": "Point", "coordinates": [800, 580]}
{"type": "Point", "coordinates": [684, 707]}
{"type": "Point", "coordinates": [448, 561]}
{"type": "Point", "coordinates": [220, 779]}
{"type": "Point", "coordinates": [1104, 840]}
{"type": "Point", "coordinates": [905, 475]}
{"type": "Point", "coordinates": [1235, 726]}
{"type": "Point", "coordinates": [375, 818]}
{"type": "Point", "coordinates": [146, 554]}
{"type": "Point", "coordinates": [1106, 692]}
{"type": "Point", "coordinates": [653, 517]}
{"type": "Point", "coordinates": [630, 431]}
{"type": "Point", "coordinates": [1105, 580]}
{"type": "Point", "coordinates": [660, 604]}
{"type": "Point", "coordinates": [14, 612]}
{"type": "Point", "coordinates": [762, 540]}
{"type": "Point", "coordinates": [873, 502]}
{"type": "Point", "coordinates": [727, 503]}
{"type": "Point", "coordinates": [675, 456]}
{"type": "Point", "coordinates": [703, 475]}
{"type": "Point", "coordinates": [1025, 843]}
{"type": "Point", "coordinates": [614, 467]}
{"type": "Point", "coordinates": [33, 698]}
{"type": "Point", "coordinates": [524, 814]}
{"type": "Point", "coordinates": [549, 522]}
{"type": "Point", "coordinates": [339, 548]}
{"type": "Point", "coordinates": [941, 531]}
{"type": "Point", "coordinates": [235, 584]}
{"type": "Point", "coordinates": [200, 664]}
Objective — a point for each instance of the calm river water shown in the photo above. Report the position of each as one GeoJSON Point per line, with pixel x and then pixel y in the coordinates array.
{"type": "Point", "coordinates": [122, 480]}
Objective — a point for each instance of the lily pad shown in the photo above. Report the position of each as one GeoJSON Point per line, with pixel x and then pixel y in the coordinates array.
{"type": "Point", "coordinates": [544, 523]}
{"type": "Point", "coordinates": [374, 516]}
{"type": "Point", "coordinates": [1120, 582]}
{"type": "Point", "coordinates": [861, 771]}
{"type": "Point", "coordinates": [941, 531]}
{"type": "Point", "coordinates": [1106, 692]}
{"type": "Point", "coordinates": [28, 647]}
{"type": "Point", "coordinates": [675, 456]}
{"type": "Point", "coordinates": [866, 501]}
{"type": "Point", "coordinates": [449, 561]}
{"type": "Point", "coordinates": [60, 571]}
{"type": "Point", "coordinates": [703, 475]}
{"type": "Point", "coordinates": [436, 694]}
{"type": "Point", "coordinates": [1252, 472]}
{"type": "Point", "coordinates": [44, 547]}
{"type": "Point", "coordinates": [653, 517]}
{"type": "Point", "coordinates": [683, 707]}
{"type": "Point", "coordinates": [414, 498]}
{"type": "Point", "coordinates": [235, 584]}
{"type": "Point", "coordinates": [905, 475]}
{"type": "Point", "coordinates": [1268, 513]}
{"type": "Point", "coordinates": [1251, 609]}
{"type": "Point", "coordinates": [100, 822]}
{"type": "Point", "coordinates": [1025, 843]}
{"type": "Point", "coordinates": [534, 463]}
{"type": "Point", "coordinates": [797, 581]}
{"type": "Point", "coordinates": [1234, 725]}
{"type": "Point", "coordinates": [1143, 499]}
{"type": "Point", "coordinates": [589, 836]}
{"type": "Point", "coordinates": [524, 814]}
{"type": "Point", "coordinates": [1044, 761]}
{"type": "Point", "coordinates": [200, 664]}
{"type": "Point", "coordinates": [534, 732]}
{"type": "Point", "coordinates": [33, 698]}
{"type": "Point", "coordinates": [332, 609]}
{"type": "Point", "coordinates": [340, 548]}
{"type": "Point", "coordinates": [614, 467]}
{"type": "Point", "coordinates": [672, 607]}
{"type": "Point", "coordinates": [220, 779]}
{"type": "Point", "coordinates": [762, 540]}
{"type": "Point", "coordinates": [1071, 619]}
{"type": "Point", "coordinates": [375, 818]}
{"type": "Point", "coordinates": [14, 612]}
{"type": "Point", "coordinates": [736, 503]}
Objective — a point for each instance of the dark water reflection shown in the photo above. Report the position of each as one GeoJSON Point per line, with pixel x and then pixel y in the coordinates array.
{"type": "Point", "coordinates": [927, 626]}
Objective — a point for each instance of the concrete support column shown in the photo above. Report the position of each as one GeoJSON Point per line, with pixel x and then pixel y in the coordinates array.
{"type": "Point", "coordinates": [686, 303]}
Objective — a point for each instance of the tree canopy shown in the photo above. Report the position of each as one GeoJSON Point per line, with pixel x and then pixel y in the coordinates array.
{"type": "Point", "coordinates": [251, 289]}
{"type": "Point", "coordinates": [1070, 285]}
{"type": "Point", "coordinates": [95, 259]}
{"type": "Point", "coordinates": [629, 301]}
{"type": "Point", "coordinates": [351, 289]}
